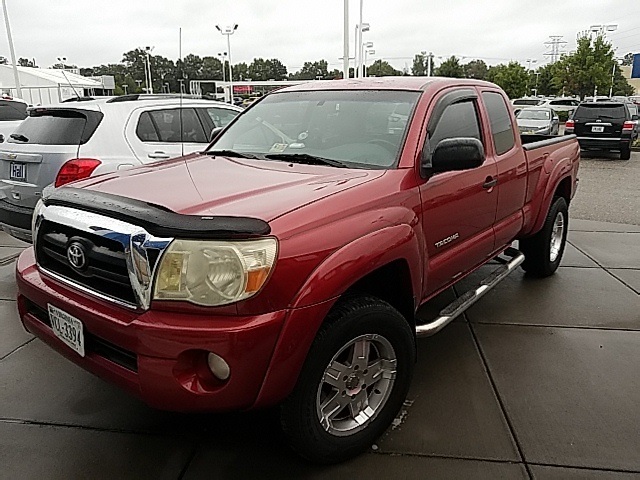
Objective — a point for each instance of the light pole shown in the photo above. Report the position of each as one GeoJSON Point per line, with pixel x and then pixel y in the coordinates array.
{"type": "Point", "coordinates": [148, 51]}
{"type": "Point", "coordinates": [429, 64]}
{"type": "Point", "coordinates": [345, 47]}
{"type": "Point", "coordinates": [223, 57]}
{"type": "Point", "coordinates": [613, 74]}
{"type": "Point", "coordinates": [364, 27]}
{"type": "Point", "coordinates": [228, 31]}
{"type": "Point", "coordinates": [16, 77]}
{"type": "Point", "coordinates": [126, 87]}
{"type": "Point", "coordinates": [603, 29]}
{"type": "Point", "coordinates": [529, 62]}
{"type": "Point", "coordinates": [370, 52]}
{"type": "Point", "coordinates": [139, 82]}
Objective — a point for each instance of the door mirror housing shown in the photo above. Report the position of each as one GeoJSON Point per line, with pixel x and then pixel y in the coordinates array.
{"type": "Point", "coordinates": [214, 133]}
{"type": "Point", "coordinates": [453, 154]}
{"type": "Point", "coordinates": [634, 117]}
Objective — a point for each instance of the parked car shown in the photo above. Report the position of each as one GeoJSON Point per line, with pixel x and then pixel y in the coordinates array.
{"type": "Point", "coordinates": [562, 104]}
{"type": "Point", "coordinates": [285, 264]}
{"type": "Point", "coordinates": [65, 142]}
{"type": "Point", "coordinates": [518, 104]}
{"type": "Point", "coordinates": [538, 120]}
{"type": "Point", "coordinates": [606, 126]}
{"type": "Point", "coordinates": [12, 112]}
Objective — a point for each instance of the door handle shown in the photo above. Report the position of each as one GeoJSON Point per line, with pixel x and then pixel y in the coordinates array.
{"type": "Point", "coordinates": [490, 182]}
{"type": "Point", "coordinates": [159, 155]}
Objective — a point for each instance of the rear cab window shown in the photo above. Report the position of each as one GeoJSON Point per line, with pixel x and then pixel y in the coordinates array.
{"type": "Point", "coordinates": [57, 126]}
{"type": "Point", "coordinates": [500, 120]}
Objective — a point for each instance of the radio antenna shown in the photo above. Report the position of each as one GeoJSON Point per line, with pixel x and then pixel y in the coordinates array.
{"type": "Point", "coordinates": [181, 85]}
{"type": "Point", "coordinates": [69, 82]}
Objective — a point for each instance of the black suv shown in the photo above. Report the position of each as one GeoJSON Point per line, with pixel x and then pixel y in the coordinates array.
{"type": "Point", "coordinates": [604, 126]}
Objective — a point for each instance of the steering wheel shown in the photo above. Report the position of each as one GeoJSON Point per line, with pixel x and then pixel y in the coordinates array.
{"type": "Point", "coordinates": [392, 147]}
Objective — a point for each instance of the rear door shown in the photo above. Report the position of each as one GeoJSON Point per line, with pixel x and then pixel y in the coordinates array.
{"type": "Point", "coordinates": [159, 133]}
{"type": "Point", "coordinates": [34, 153]}
{"type": "Point", "coordinates": [599, 120]}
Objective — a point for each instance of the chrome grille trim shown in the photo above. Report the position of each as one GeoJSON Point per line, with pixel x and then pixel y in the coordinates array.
{"type": "Point", "coordinates": [135, 241]}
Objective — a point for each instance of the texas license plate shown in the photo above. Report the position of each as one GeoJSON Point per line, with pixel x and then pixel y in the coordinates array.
{"type": "Point", "coordinates": [67, 328]}
{"type": "Point", "coordinates": [597, 129]}
{"type": "Point", "coordinates": [17, 171]}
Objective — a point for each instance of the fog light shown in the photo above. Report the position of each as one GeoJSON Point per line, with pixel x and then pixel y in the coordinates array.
{"type": "Point", "coordinates": [218, 366]}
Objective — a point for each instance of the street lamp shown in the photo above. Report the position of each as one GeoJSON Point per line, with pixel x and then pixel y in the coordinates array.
{"type": "Point", "coordinates": [529, 62]}
{"type": "Point", "coordinates": [603, 29]}
{"type": "Point", "coordinates": [364, 27]}
{"type": "Point", "coordinates": [228, 31]}
{"type": "Point", "coordinates": [370, 52]}
{"type": "Point", "coordinates": [613, 74]}
{"type": "Point", "coordinates": [125, 86]}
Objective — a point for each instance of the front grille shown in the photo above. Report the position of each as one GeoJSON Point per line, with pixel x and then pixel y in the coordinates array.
{"type": "Point", "coordinates": [106, 266]}
{"type": "Point", "coordinates": [92, 343]}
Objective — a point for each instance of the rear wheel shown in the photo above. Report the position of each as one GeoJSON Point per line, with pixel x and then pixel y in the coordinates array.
{"type": "Point", "coordinates": [625, 153]}
{"type": "Point", "coordinates": [543, 251]}
{"type": "Point", "coordinates": [353, 382]}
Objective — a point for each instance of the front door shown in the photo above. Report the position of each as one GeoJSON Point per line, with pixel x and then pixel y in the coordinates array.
{"type": "Point", "coordinates": [459, 207]}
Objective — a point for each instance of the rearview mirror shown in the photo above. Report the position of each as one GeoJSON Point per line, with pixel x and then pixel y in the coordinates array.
{"type": "Point", "coordinates": [634, 117]}
{"type": "Point", "coordinates": [453, 154]}
{"type": "Point", "coordinates": [214, 133]}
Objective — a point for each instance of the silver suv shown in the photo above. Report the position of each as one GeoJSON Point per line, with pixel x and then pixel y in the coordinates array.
{"type": "Point", "coordinates": [65, 142]}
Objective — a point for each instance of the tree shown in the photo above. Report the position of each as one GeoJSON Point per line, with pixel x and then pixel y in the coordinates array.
{"type": "Point", "coordinates": [627, 60]}
{"type": "Point", "coordinates": [241, 72]}
{"type": "Point", "coordinates": [451, 67]}
{"type": "Point", "coordinates": [419, 67]}
{"type": "Point", "coordinates": [382, 68]}
{"type": "Point", "coordinates": [263, 70]}
{"type": "Point", "coordinates": [590, 67]}
{"type": "Point", "coordinates": [25, 62]}
{"type": "Point", "coordinates": [476, 69]}
{"type": "Point", "coordinates": [621, 86]}
{"type": "Point", "coordinates": [512, 78]}
{"type": "Point", "coordinates": [312, 71]}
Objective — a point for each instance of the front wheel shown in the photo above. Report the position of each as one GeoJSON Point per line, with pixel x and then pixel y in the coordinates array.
{"type": "Point", "coordinates": [543, 251]}
{"type": "Point", "coordinates": [353, 382]}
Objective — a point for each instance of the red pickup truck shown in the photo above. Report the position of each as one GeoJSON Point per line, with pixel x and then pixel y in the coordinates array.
{"type": "Point", "coordinates": [285, 264]}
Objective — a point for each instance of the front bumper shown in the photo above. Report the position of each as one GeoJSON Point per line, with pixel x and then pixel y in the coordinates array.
{"type": "Point", "coordinates": [156, 355]}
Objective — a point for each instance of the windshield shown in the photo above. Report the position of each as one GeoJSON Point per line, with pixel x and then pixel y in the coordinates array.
{"type": "Point", "coordinates": [358, 128]}
{"type": "Point", "coordinates": [532, 101]}
{"type": "Point", "coordinates": [589, 112]}
{"type": "Point", "coordinates": [533, 115]}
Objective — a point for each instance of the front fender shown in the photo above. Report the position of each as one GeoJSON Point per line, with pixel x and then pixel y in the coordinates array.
{"type": "Point", "coordinates": [319, 293]}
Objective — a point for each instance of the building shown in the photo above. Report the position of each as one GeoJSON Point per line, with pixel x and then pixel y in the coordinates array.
{"type": "Point", "coordinates": [634, 82]}
{"type": "Point", "coordinates": [47, 85]}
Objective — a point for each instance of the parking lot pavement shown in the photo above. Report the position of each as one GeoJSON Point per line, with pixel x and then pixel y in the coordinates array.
{"type": "Point", "coordinates": [538, 380]}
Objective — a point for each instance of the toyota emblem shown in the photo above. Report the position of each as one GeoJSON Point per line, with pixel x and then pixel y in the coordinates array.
{"type": "Point", "coordinates": [76, 256]}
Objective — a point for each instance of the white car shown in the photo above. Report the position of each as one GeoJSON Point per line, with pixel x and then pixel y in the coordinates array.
{"type": "Point", "coordinates": [69, 141]}
{"type": "Point", "coordinates": [561, 104]}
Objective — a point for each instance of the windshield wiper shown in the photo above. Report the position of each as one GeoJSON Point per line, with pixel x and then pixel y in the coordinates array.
{"type": "Point", "coordinates": [229, 153]}
{"type": "Point", "coordinates": [305, 158]}
{"type": "Point", "coordinates": [19, 137]}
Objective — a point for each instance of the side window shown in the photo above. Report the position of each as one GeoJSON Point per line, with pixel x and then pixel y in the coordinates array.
{"type": "Point", "coordinates": [458, 120]}
{"type": "Point", "coordinates": [500, 120]}
{"type": "Point", "coordinates": [168, 124]}
{"type": "Point", "coordinates": [221, 117]}
{"type": "Point", "coordinates": [145, 129]}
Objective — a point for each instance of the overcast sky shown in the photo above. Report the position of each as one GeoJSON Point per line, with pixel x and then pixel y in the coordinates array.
{"type": "Point", "coordinates": [91, 33]}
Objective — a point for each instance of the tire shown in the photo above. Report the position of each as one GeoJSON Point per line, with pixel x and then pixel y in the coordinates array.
{"type": "Point", "coordinates": [625, 154]}
{"type": "Point", "coordinates": [543, 251]}
{"type": "Point", "coordinates": [323, 418]}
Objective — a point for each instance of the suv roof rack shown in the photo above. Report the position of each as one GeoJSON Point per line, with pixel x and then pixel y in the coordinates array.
{"type": "Point", "coordinates": [78, 99]}
{"type": "Point", "coordinates": [151, 96]}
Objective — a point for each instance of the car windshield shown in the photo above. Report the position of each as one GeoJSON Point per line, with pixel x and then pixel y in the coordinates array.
{"type": "Point", "coordinates": [589, 112]}
{"type": "Point", "coordinates": [355, 128]}
{"type": "Point", "coordinates": [526, 102]}
{"type": "Point", "coordinates": [534, 115]}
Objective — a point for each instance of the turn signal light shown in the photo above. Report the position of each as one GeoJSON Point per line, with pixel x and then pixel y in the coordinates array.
{"type": "Point", "coordinates": [76, 169]}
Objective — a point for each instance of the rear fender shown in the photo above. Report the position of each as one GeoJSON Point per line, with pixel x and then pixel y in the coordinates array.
{"type": "Point", "coordinates": [322, 289]}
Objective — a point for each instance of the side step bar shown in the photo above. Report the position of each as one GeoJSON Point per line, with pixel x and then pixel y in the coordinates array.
{"type": "Point", "coordinates": [459, 305]}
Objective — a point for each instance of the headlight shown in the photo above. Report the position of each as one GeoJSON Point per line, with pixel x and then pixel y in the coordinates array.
{"type": "Point", "coordinates": [214, 272]}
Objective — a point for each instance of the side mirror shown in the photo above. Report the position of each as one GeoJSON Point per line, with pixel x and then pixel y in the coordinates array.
{"type": "Point", "coordinates": [634, 117]}
{"type": "Point", "coordinates": [453, 154]}
{"type": "Point", "coordinates": [214, 133]}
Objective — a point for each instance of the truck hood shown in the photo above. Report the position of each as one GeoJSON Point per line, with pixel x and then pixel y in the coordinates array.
{"type": "Point", "coordinates": [207, 185]}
